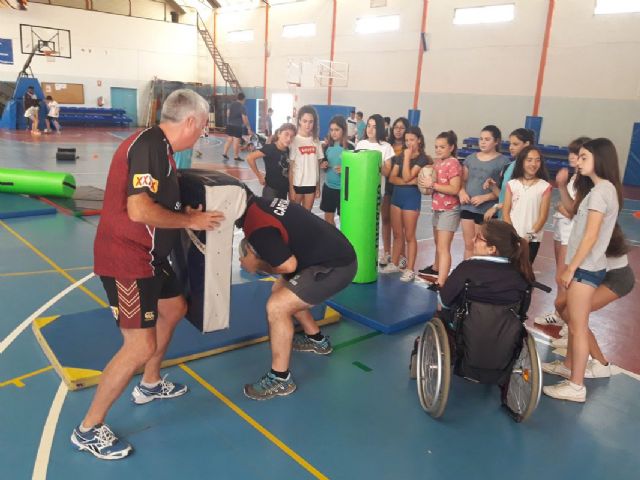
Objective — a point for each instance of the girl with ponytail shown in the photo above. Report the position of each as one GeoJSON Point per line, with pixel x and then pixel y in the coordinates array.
{"type": "Point", "coordinates": [499, 270]}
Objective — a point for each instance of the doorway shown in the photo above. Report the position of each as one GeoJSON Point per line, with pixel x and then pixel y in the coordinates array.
{"type": "Point", "coordinates": [127, 99]}
{"type": "Point", "coordinates": [282, 104]}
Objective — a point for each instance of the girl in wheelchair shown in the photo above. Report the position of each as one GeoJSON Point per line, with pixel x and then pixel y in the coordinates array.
{"type": "Point", "coordinates": [479, 333]}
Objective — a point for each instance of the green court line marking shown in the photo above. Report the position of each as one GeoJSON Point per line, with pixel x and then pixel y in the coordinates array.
{"type": "Point", "coordinates": [362, 366]}
{"type": "Point", "coordinates": [356, 340]}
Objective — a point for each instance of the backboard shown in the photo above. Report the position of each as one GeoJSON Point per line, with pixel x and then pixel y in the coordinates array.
{"type": "Point", "coordinates": [55, 42]}
{"type": "Point", "coordinates": [331, 73]}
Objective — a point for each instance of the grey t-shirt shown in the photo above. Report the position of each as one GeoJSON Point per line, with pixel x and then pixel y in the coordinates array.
{"type": "Point", "coordinates": [479, 171]}
{"type": "Point", "coordinates": [602, 198]}
{"type": "Point", "coordinates": [236, 110]}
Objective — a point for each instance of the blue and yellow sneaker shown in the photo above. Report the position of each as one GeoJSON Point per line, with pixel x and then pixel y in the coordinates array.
{"type": "Point", "coordinates": [270, 386]}
{"type": "Point", "coordinates": [165, 389]}
{"type": "Point", "coordinates": [101, 442]}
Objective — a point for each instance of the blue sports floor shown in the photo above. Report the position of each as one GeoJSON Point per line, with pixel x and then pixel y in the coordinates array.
{"type": "Point", "coordinates": [355, 415]}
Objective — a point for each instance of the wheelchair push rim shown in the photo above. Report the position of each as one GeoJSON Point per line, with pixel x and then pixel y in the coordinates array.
{"type": "Point", "coordinates": [525, 382]}
{"type": "Point", "coordinates": [434, 368]}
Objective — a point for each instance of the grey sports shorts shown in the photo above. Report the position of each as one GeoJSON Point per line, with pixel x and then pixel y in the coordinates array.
{"type": "Point", "coordinates": [318, 283]}
{"type": "Point", "coordinates": [620, 280]}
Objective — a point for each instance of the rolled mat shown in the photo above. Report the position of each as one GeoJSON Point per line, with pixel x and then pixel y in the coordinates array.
{"type": "Point", "coordinates": [37, 182]}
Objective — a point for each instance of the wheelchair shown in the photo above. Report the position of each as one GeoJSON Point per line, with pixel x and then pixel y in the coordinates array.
{"type": "Point", "coordinates": [483, 343]}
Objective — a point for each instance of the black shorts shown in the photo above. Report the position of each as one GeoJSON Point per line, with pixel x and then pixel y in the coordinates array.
{"type": "Point", "coordinates": [304, 190]}
{"type": "Point", "coordinates": [317, 283]}
{"type": "Point", "coordinates": [478, 218]}
{"type": "Point", "coordinates": [135, 302]}
{"type": "Point", "coordinates": [330, 202]}
{"type": "Point", "coordinates": [234, 131]}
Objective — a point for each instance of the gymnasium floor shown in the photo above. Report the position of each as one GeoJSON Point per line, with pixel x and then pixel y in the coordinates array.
{"type": "Point", "coordinates": [355, 414]}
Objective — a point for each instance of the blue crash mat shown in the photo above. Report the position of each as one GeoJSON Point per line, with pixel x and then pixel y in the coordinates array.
{"type": "Point", "coordinates": [80, 345]}
{"type": "Point", "coordinates": [13, 206]}
{"type": "Point", "coordinates": [387, 305]}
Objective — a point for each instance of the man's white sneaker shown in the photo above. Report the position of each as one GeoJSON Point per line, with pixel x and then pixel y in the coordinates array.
{"type": "Point", "coordinates": [566, 390]}
{"type": "Point", "coordinates": [561, 342]}
{"type": "Point", "coordinates": [549, 319]}
{"type": "Point", "coordinates": [556, 368]}
{"type": "Point", "coordinates": [595, 369]}
{"type": "Point", "coordinates": [389, 268]}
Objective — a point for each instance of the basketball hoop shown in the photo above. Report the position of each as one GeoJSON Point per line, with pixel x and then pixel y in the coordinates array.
{"type": "Point", "coordinates": [293, 89]}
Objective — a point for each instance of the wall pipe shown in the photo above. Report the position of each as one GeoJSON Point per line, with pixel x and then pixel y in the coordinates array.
{"type": "Point", "coordinates": [333, 45]}
{"type": "Point", "coordinates": [421, 49]}
{"type": "Point", "coordinates": [543, 58]}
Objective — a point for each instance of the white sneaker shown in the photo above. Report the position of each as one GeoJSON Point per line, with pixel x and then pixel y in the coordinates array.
{"type": "Point", "coordinates": [566, 390]}
{"type": "Point", "coordinates": [408, 276]}
{"type": "Point", "coordinates": [389, 268]}
{"type": "Point", "coordinates": [384, 259]}
{"type": "Point", "coordinates": [561, 342]}
{"type": "Point", "coordinates": [556, 368]}
{"type": "Point", "coordinates": [564, 331]}
{"type": "Point", "coordinates": [402, 264]}
{"type": "Point", "coordinates": [549, 319]}
{"type": "Point", "coordinates": [595, 369]}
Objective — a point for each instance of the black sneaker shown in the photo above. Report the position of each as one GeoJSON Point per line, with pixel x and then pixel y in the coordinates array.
{"type": "Point", "coordinates": [238, 159]}
{"type": "Point", "coordinates": [428, 271]}
{"type": "Point", "coordinates": [225, 156]}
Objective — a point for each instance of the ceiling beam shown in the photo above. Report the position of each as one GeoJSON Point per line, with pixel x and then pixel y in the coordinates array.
{"type": "Point", "coordinates": [174, 5]}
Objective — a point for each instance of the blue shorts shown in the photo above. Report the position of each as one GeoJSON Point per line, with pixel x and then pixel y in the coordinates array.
{"type": "Point", "coordinates": [593, 279]}
{"type": "Point", "coordinates": [406, 197]}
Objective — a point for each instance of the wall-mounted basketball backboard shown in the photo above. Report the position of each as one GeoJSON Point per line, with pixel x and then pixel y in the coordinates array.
{"type": "Point", "coordinates": [47, 41]}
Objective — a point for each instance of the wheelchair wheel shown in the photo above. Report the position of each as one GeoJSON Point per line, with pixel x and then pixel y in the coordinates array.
{"type": "Point", "coordinates": [525, 383]}
{"type": "Point", "coordinates": [434, 368]}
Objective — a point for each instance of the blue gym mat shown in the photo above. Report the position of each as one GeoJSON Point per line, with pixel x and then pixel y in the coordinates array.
{"type": "Point", "coordinates": [14, 206]}
{"type": "Point", "coordinates": [387, 305]}
{"type": "Point", "coordinates": [80, 345]}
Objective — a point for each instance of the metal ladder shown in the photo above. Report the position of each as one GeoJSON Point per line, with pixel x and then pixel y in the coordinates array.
{"type": "Point", "coordinates": [223, 67]}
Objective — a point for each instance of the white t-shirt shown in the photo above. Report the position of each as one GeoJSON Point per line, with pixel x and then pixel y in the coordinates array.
{"type": "Point", "coordinates": [614, 263]}
{"type": "Point", "coordinates": [305, 154]}
{"type": "Point", "coordinates": [525, 206]}
{"type": "Point", "coordinates": [382, 147]}
{"type": "Point", "coordinates": [352, 127]}
{"type": "Point", "coordinates": [54, 109]}
{"type": "Point", "coordinates": [602, 198]}
{"type": "Point", "coordinates": [572, 193]}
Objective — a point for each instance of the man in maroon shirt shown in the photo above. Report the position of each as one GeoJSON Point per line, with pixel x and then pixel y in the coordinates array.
{"type": "Point", "coordinates": [139, 224]}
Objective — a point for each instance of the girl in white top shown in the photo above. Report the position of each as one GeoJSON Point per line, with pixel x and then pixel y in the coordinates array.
{"type": "Point", "coordinates": [598, 201]}
{"type": "Point", "coordinates": [305, 155]}
{"type": "Point", "coordinates": [562, 224]}
{"type": "Point", "coordinates": [528, 197]}
{"type": "Point", "coordinates": [375, 134]}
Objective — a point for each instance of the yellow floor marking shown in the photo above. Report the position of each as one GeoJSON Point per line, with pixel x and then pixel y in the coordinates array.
{"type": "Point", "coordinates": [301, 461]}
{"type": "Point", "coordinates": [18, 380]}
{"type": "Point", "coordinates": [40, 272]}
{"type": "Point", "coordinates": [53, 264]}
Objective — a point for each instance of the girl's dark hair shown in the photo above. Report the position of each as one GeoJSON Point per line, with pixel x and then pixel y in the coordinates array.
{"type": "Point", "coordinates": [518, 169]}
{"type": "Point", "coordinates": [508, 244]}
{"type": "Point", "coordinates": [381, 131]}
{"type": "Point", "coordinates": [452, 140]}
{"type": "Point", "coordinates": [418, 133]}
{"type": "Point", "coordinates": [404, 121]}
{"type": "Point", "coordinates": [618, 245]}
{"type": "Point", "coordinates": [341, 122]}
{"type": "Point", "coordinates": [575, 146]}
{"type": "Point", "coordinates": [605, 162]}
{"type": "Point", "coordinates": [282, 128]}
{"type": "Point", "coordinates": [495, 133]}
{"type": "Point", "coordinates": [309, 109]}
{"type": "Point", "coordinates": [524, 135]}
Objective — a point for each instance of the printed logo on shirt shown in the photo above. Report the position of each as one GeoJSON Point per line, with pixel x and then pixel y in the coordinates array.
{"type": "Point", "coordinates": [307, 149]}
{"type": "Point", "coordinates": [279, 206]}
{"type": "Point", "coordinates": [148, 316]}
{"type": "Point", "coordinates": [145, 180]}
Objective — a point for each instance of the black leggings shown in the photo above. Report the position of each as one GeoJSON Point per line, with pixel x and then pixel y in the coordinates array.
{"type": "Point", "coordinates": [533, 251]}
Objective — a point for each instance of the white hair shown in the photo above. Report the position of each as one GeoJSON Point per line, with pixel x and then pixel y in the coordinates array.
{"type": "Point", "coordinates": [181, 104]}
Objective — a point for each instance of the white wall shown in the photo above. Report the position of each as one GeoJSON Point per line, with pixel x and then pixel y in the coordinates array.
{"type": "Point", "coordinates": [471, 75]}
{"type": "Point", "coordinates": [116, 50]}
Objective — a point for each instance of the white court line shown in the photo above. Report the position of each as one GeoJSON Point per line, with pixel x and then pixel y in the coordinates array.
{"type": "Point", "coordinates": [20, 328]}
{"type": "Point", "coordinates": [48, 432]}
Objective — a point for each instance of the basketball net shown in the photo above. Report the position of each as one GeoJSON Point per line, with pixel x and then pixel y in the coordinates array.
{"type": "Point", "coordinates": [50, 55]}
